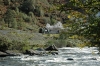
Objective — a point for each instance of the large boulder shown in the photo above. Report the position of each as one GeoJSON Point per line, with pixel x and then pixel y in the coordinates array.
{"type": "Point", "coordinates": [41, 51]}
{"type": "Point", "coordinates": [32, 52]}
{"type": "Point", "coordinates": [12, 53]}
{"type": "Point", "coordinates": [3, 54]}
{"type": "Point", "coordinates": [9, 53]}
{"type": "Point", "coordinates": [52, 48]}
{"type": "Point", "coordinates": [70, 59]}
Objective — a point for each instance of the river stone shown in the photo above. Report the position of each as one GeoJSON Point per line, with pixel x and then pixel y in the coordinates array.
{"type": "Point", "coordinates": [40, 49]}
{"type": "Point", "coordinates": [70, 59]}
{"type": "Point", "coordinates": [52, 48]}
{"type": "Point", "coordinates": [93, 59]}
{"type": "Point", "coordinates": [32, 52]}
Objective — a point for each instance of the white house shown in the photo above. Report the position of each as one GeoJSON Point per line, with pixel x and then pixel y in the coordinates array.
{"type": "Point", "coordinates": [55, 26]}
{"type": "Point", "coordinates": [58, 25]}
{"type": "Point", "coordinates": [52, 29]}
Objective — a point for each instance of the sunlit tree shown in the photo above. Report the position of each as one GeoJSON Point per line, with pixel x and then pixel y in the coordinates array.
{"type": "Point", "coordinates": [88, 8]}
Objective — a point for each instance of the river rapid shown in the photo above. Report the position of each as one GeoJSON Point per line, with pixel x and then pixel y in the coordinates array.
{"type": "Point", "coordinates": [67, 57]}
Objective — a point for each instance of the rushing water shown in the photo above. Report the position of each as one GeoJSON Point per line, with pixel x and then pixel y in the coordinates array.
{"type": "Point", "coordinates": [67, 57]}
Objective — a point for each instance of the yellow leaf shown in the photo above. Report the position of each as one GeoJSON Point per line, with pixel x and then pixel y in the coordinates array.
{"type": "Point", "coordinates": [69, 16]}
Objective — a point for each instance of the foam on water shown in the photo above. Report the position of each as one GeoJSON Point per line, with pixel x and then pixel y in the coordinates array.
{"type": "Point", "coordinates": [79, 50]}
{"type": "Point", "coordinates": [59, 59]}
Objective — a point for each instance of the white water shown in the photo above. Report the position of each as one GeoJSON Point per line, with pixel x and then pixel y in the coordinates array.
{"type": "Point", "coordinates": [81, 57]}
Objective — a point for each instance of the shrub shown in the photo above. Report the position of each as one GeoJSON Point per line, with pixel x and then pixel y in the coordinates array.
{"type": "Point", "coordinates": [31, 14]}
{"type": "Point", "coordinates": [7, 43]}
{"type": "Point", "coordinates": [37, 11]}
{"type": "Point", "coordinates": [28, 6]}
{"type": "Point", "coordinates": [21, 25]}
{"type": "Point", "coordinates": [14, 23]}
{"type": "Point", "coordinates": [10, 17]}
{"type": "Point", "coordinates": [41, 12]}
{"type": "Point", "coordinates": [17, 10]}
{"type": "Point", "coordinates": [19, 45]}
{"type": "Point", "coordinates": [25, 17]}
{"type": "Point", "coordinates": [60, 43]}
{"type": "Point", "coordinates": [63, 35]}
{"type": "Point", "coordinates": [28, 19]}
{"type": "Point", "coordinates": [6, 2]}
{"type": "Point", "coordinates": [46, 20]}
{"type": "Point", "coordinates": [4, 43]}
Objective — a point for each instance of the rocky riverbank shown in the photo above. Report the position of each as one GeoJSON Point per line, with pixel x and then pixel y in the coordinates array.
{"type": "Point", "coordinates": [9, 53]}
{"type": "Point", "coordinates": [49, 50]}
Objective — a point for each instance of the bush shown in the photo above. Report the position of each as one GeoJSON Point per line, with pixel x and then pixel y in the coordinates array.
{"type": "Point", "coordinates": [10, 18]}
{"type": "Point", "coordinates": [6, 2]}
{"type": "Point", "coordinates": [37, 11]}
{"type": "Point", "coordinates": [19, 45]}
{"type": "Point", "coordinates": [41, 12]}
{"type": "Point", "coordinates": [4, 43]}
{"type": "Point", "coordinates": [8, 44]}
{"type": "Point", "coordinates": [63, 35]}
{"type": "Point", "coordinates": [28, 6]}
{"type": "Point", "coordinates": [53, 21]}
{"type": "Point", "coordinates": [25, 17]}
{"type": "Point", "coordinates": [14, 23]}
{"type": "Point", "coordinates": [31, 14]}
{"type": "Point", "coordinates": [21, 25]}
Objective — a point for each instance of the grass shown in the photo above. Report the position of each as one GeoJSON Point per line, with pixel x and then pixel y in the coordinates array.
{"type": "Point", "coordinates": [51, 35]}
{"type": "Point", "coordinates": [71, 41]}
{"type": "Point", "coordinates": [20, 40]}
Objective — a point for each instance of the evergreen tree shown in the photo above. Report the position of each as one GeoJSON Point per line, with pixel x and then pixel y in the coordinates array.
{"type": "Point", "coordinates": [14, 23]}
{"type": "Point", "coordinates": [10, 18]}
{"type": "Point", "coordinates": [28, 6]}
{"type": "Point", "coordinates": [7, 2]}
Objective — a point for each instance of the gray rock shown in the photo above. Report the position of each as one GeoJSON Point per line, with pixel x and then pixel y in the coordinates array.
{"type": "Point", "coordinates": [32, 52]}
{"type": "Point", "coordinates": [92, 59]}
{"type": "Point", "coordinates": [12, 53]}
{"type": "Point", "coordinates": [3, 54]}
{"type": "Point", "coordinates": [52, 48]}
{"type": "Point", "coordinates": [70, 59]}
{"type": "Point", "coordinates": [40, 49]}
{"type": "Point", "coordinates": [37, 52]}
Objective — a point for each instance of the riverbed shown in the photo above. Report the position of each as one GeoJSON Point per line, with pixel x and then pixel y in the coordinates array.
{"type": "Point", "coordinates": [68, 56]}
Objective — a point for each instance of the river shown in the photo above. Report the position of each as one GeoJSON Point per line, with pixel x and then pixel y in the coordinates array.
{"type": "Point", "coordinates": [67, 57]}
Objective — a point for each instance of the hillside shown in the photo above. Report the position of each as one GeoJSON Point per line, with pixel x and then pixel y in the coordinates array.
{"type": "Point", "coordinates": [20, 21]}
{"type": "Point", "coordinates": [29, 14]}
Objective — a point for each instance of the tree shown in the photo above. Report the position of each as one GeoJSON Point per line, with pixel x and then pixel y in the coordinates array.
{"type": "Point", "coordinates": [7, 2]}
{"type": "Point", "coordinates": [10, 18]}
{"type": "Point", "coordinates": [83, 6]}
{"type": "Point", "coordinates": [88, 8]}
{"type": "Point", "coordinates": [28, 6]}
